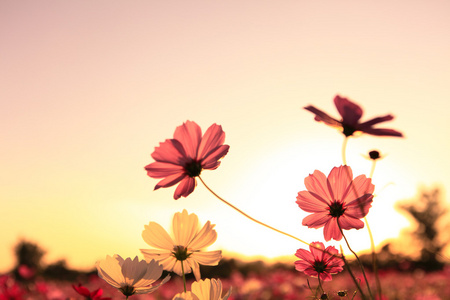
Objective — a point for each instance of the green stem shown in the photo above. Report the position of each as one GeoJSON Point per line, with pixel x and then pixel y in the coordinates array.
{"type": "Point", "coordinates": [184, 276]}
{"type": "Point", "coordinates": [359, 262]}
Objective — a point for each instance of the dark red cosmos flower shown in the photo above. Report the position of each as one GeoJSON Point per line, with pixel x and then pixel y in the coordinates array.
{"type": "Point", "coordinates": [181, 159]}
{"type": "Point", "coordinates": [351, 113]}
{"type": "Point", "coordinates": [95, 295]}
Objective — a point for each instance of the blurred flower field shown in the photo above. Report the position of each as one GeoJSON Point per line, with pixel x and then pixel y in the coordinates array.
{"type": "Point", "coordinates": [276, 284]}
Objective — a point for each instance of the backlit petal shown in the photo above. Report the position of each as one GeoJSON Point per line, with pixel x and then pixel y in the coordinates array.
{"type": "Point", "coordinates": [331, 230]}
{"type": "Point", "coordinates": [317, 185]}
{"type": "Point", "coordinates": [205, 237]}
{"type": "Point", "coordinates": [311, 203]}
{"type": "Point", "coordinates": [323, 117]}
{"type": "Point", "coordinates": [316, 220]}
{"type": "Point", "coordinates": [185, 188]}
{"type": "Point", "coordinates": [170, 151]}
{"type": "Point", "coordinates": [339, 179]}
{"type": "Point", "coordinates": [208, 258]}
{"type": "Point", "coordinates": [157, 237]}
{"type": "Point", "coordinates": [185, 226]}
{"type": "Point", "coordinates": [350, 112]}
{"type": "Point", "coordinates": [189, 135]}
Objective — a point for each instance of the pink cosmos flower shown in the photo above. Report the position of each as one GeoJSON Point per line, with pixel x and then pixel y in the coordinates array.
{"type": "Point", "coordinates": [95, 295]}
{"type": "Point", "coordinates": [336, 201]}
{"type": "Point", "coordinates": [319, 263]}
{"type": "Point", "coordinates": [181, 159]}
{"type": "Point", "coordinates": [351, 113]}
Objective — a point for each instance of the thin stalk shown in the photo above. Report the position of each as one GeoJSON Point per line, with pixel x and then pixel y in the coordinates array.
{"type": "Point", "coordinates": [353, 276]}
{"type": "Point", "coordinates": [344, 147]}
{"type": "Point", "coordinates": [247, 216]}
{"type": "Point", "coordinates": [184, 276]}
{"type": "Point", "coordinates": [372, 243]}
{"type": "Point", "coordinates": [321, 291]}
{"type": "Point", "coordinates": [359, 262]}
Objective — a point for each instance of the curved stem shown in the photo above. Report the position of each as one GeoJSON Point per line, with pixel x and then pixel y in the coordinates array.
{"type": "Point", "coordinates": [359, 262]}
{"type": "Point", "coordinates": [320, 286]}
{"type": "Point", "coordinates": [184, 276]}
{"type": "Point", "coordinates": [344, 147]}
{"type": "Point", "coordinates": [363, 297]}
{"type": "Point", "coordinates": [247, 216]}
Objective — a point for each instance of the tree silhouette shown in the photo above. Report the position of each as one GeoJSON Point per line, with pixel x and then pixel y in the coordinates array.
{"type": "Point", "coordinates": [427, 212]}
{"type": "Point", "coordinates": [28, 254]}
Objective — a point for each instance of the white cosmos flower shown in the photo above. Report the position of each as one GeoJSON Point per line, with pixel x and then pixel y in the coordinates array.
{"type": "Point", "coordinates": [208, 289]}
{"type": "Point", "coordinates": [131, 276]}
{"type": "Point", "coordinates": [185, 247]}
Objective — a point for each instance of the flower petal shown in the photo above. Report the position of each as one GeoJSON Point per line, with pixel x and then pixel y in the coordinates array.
{"type": "Point", "coordinates": [156, 236]}
{"type": "Point", "coordinates": [360, 186]}
{"type": "Point", "coordinates": [316, 220]}
{"type": "Point", "coordinates": [163, 169]}
{"type": "Point", "coordinates": [317, 185]}
{"type": "Point", "coordinates": [184, 227]}
{"type": "Point", "coordinates": [323, 117]}
{"type": "Point", "coordinates": [350, 112]}
{"type": "Point", "coordinates": [359, 208]}
{"type": "Point", "coordinates": [339, 179]}
{"type": "Point", "coordinates": [212, 160]}
{"type": "Point", "coordinates": [347, 223]}
{"type": "Point", "coordinates": [189, 135]}
{"type": "Point", "coordinates": [305, 255]}
{"type": "Point", "coordinates": [213, 138]}
{"type": "Point", "coordinates": [382, 132]}
{"type": "Point", "coordinates": [170, 151]}
{"type": "Point", "coordinates": [185, 188]}
{"type": "Point", "coordinates": [204, 238]}
{"type": "Point", "coordinates": [331, 230]}
{"type": "Point", "coordinates": [310, 202]}
{"type": "Point", "coordinates": [207, 258]}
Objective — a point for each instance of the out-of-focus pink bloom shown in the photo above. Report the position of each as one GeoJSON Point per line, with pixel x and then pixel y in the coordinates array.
{"type": "Point", "coordinates": [351, 113]}
{"type": "Point", "coordinates": [319, 263]}
{"type": "Point", "coordinates": [26, 272]}
{"type": "Point", "coordinates": [10, 290]}
{"type": "Point", "coordinates": [181, 159]}
{"type": "Point", "coordinates": [95, 295]}
{"type": "Point", "coordinates": [336, 201]}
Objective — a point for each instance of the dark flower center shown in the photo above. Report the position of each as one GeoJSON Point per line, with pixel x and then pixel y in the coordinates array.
{"type": "Point", "coordinates": [374, 155]}
{"type": "Point", "coordinates": [319, 266]}
{"type": "Point", "coordinates": [193, 168]}
{"type": "Point", "coordinates": [336, 209]}
{"type": "Point", "coordinates": [180, 252]}
{"type": "Point", "coordinates": [127, 290]}
{"type": "Point", "coordinates": [348, 130]}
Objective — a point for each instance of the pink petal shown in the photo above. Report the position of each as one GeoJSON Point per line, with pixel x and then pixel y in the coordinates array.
{"type": "Point", "coordinates": [306, 267]}
{"type": "Point", "coordinates": [331, 230]}
{"type": "Point", "coordinates": [310, 202]}
{"type": "Point", "coordinates": [185, 187]}
{"type": "Point", "coordinates": [348, 223]}
{"type": "Point", "coordinates": [360, 186]}
{"type": "Point", "coordinates": [339, 180]}
{"type": "Point", "coordinates": [325, 276]}
{"type": "Point", "coordinates": [317, 185]}
{"type": "Point", "coordinates": [322, 116]}
{"type": "Point", "coordinates": [318, 254]}
{"type": "Point", "coordinates": [213, 138]}
{"type": "Point", "coordinates": [170, 151]}
{"type": "Point", "coordinates": [170, 180]}
{"type": "Point", "coordinates": [163, 169]}
{"type": "Point", "coordinates": [350, 112]}
{"type": "Point", "coordinates": [316, 220]}
{"type": "Point", "coordinates": [305, 255]}
{"type": "Point", "coordinates": [189, 135]}
{"type": "Point", "coordinates": [211, 160]}
{"type": "Point", "coordinates": [359, 208]}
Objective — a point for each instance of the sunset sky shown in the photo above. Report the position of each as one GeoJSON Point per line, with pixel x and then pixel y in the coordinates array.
{"type": "Point", "coordinates": [88, 89]}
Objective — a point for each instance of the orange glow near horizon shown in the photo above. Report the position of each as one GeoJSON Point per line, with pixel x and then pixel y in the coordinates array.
{"type": "Point", "coordinates": [88, 89]}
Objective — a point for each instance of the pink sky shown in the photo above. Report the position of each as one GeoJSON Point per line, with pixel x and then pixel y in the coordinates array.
{"type": "Point", "coordinates": [89, 88]}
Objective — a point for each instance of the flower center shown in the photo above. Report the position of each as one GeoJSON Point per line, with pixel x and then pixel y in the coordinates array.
{"type": "Point", "coordinates": [336, 209]}
{"type": "Point", "coordinates": [127, 290]}
{"type": "Point", "coordinates": [347, 130]}
{"type": "Point", "coordinates": [193, 168]}
{"type": "Point", "coordinates": [180, 252]}
{"type": "Point", "coordinates": [319, 267]}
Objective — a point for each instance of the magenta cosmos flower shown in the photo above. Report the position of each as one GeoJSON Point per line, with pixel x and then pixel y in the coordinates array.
{"type": "Point", "coordinates": [319, 262]}
{"type": "Point", "coordinates": [336, 201]}
{"type": "Point", "coordinates": [181, 159]}
{"type": "Point", "coordinates": [351, 113]}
